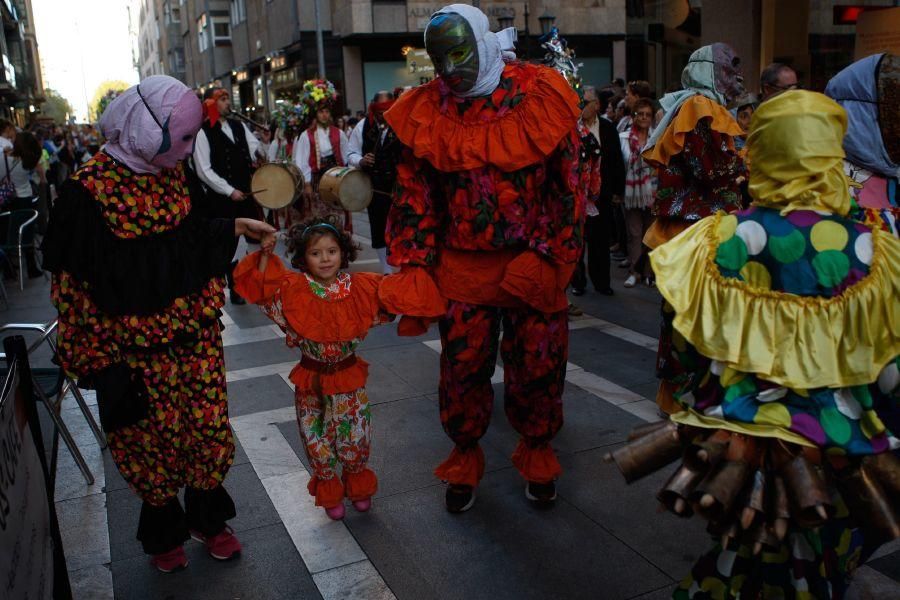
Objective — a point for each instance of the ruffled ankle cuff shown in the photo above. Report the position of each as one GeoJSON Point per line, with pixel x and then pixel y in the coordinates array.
{"type": "Point", "coordinates": [207, 510]}
{"type": "Point", "coordinates": [539, 465]}
{"type": "Point", "coordinates": [463, 467]}
{"type": "Point", "coordinates": [162, 528]}
{"type": "Point", "coordinates": [327, 492]}
{"type": "Point", "coordinates": [361, 485]}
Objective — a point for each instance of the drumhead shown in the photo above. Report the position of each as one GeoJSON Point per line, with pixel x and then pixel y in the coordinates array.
{"type": "Point", "coordinates": [279, 186]}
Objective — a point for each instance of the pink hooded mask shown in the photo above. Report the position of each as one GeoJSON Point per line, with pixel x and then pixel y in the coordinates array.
{"type": "Point", "coordinates": [151, 126]}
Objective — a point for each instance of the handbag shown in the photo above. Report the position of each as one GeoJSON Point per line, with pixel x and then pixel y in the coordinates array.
{"type": "Point", "coordinates": [7, 189]}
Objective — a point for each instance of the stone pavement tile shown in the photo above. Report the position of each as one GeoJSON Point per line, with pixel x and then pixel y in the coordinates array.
{"type": "Point", "coordinates": [254, 510]}
{"type": "Point", "coordinates": [663, 593]}
{"type": "Point", "coordinates": [258, 354]}
{"type": "Point", "coordinates": [268, 569]}
{"type": "Point", "coordinates": [83, 526]}
{"type": "Point", "coordinates": [247, 315]}
{"type": "Point", "coordinates": [501, 548]}
{"type": "Point", "coordinates": [386, 335]}
{"type": "Point", "coordinates": [888, 565]}
{"type": "Point", "coordinates": [92, 583]}
{"type": "Point", "coordinates": [114, 479]}
{"type": "Point", "coordinates": [629, 512]}
{"type": "Point", "coordinates": [356, 581]}
{"type": "Point", "coordinates": [258, 394]}
{"type": "Point", "coordinates": [383, 384]}
{"type": "Point", "coordinates": [637, 308]}
{"type": "Point", "coordinates": [588, 422]}
{"type": "Point", "coordinates": [617, 360]}
{"type": "Point", "coordinates": [870, 584]}
{"type": "Point", "coordinates": [414, 365]}
{"type": "Point", "coordinates": [408, 443]}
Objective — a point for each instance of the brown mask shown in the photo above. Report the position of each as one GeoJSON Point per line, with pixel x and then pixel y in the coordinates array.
{"type": "Point", "coordinates": [729, 79]}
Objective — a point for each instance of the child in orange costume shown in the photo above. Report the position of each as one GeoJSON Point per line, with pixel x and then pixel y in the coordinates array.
{"type": "Point", "coordinates": [326, 312]}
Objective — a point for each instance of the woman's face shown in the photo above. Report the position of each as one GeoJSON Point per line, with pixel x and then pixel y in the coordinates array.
{"type": "Point", "coordinates": [643, 118]}
{"type": "Point", "coordinates": [744, 116]}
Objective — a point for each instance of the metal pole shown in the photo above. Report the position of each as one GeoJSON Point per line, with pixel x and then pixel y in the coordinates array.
{"type": "Point", "coordinates": [320, 45]}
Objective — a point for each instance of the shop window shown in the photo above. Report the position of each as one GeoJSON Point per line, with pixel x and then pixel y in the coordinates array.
{"type": "Point", "coordinates": [177, 60]}
{"type": "Point", "coordinates": [172, 13]}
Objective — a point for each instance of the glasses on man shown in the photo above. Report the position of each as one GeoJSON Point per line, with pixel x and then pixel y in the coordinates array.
{"type": "Point", "coordinates": [785, 88]}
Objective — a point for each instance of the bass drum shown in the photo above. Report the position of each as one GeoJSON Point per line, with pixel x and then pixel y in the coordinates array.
{"type": "Point", "coordinates": [348, 187]}
{"type": "Point", "coordinates": [279, 185]}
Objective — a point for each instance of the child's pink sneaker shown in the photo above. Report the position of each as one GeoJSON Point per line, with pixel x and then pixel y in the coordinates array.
{"type": "Point", "coordinates": [222, 546]}
{"type": "Point", "coordinates": [362, 505]}
{"type": "Point", "coordinates": [171, 561]}
{"type": "Point", "coordinates": [335, 513]}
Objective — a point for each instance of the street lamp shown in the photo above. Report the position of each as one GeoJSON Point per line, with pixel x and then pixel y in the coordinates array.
{"type": "Point", "coordinates": [547, 21]}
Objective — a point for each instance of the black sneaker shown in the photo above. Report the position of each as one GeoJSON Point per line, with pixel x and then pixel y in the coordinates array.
{"type": "Point", "coordinates": [236, 299]}
{"type": "Point", "coordinates": [542, 494]}
{"type": "Point", "coordinates": [459, 498]}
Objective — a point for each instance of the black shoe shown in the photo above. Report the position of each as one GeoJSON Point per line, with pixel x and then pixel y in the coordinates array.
{"type": "Point", "coordinates": [607, 291]}
{"type": "Point", "coordinates": [459, 498]}
{"type": "Point", "coordinates": [541, 494]}
{"type": "Point", "coordinates": [236, 299]}
{"type": "Point", "coordinates": [578, 291]}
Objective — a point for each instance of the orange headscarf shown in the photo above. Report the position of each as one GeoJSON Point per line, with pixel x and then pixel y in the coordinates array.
{"type": "Point", "coordinates": [210, 108]}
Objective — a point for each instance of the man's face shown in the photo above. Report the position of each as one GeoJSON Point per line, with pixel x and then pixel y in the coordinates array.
{"type": "Point", "coordinates": [323, 117]}
{"type": "Point", "coordinates": [729, 79]}
{"type": "Point", "coordinates": [223, 104]}
{"type": "Point", "coordinates": [379, 112]}
{"type": "Point", "coordinates": [787, 80]}
{"type": "Point", "coordinates": [451, 44]}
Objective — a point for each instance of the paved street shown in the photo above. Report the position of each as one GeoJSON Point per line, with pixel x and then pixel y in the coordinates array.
{"type": "Point", "coordinates": [603, 539]}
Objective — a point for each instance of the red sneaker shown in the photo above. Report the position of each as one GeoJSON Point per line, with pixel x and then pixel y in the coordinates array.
{"type": "Point", "coordinates": [171, 561]}
{"type": "Point", "coordinates": [222, 546]}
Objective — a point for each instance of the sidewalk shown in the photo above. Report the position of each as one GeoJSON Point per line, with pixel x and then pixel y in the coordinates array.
{"type": "Point", "coordinates": [603, 539]}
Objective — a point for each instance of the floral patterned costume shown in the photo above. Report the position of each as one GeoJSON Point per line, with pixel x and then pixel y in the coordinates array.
{"type": "Point", "coordinates": [489, 208]}
{"type": "Point", "coordinates": [137, 281]}
{"type": "Point", "coordinates": [327, 324]}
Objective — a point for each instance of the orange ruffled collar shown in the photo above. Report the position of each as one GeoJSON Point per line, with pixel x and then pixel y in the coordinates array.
{"type": "Point", "coordinates": [689, 114]}
{"type": "Point", "coordinates": [510, 139]}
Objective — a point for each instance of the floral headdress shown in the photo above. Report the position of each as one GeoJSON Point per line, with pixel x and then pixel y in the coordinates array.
{"type": "Point", "coordinates": [290, 117]}
{"type": "Point", "coordinates": [319, 93]}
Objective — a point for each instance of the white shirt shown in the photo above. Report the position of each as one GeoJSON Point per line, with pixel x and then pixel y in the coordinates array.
{"type": "Point", "coordinates": [323, 141]}
{"type": "Point", "coordinates": [19, 177]}
{"type": "Point", "coordinates": [213, 180]}
{"type": "Point", "coordinates": [5, 143]}
{"type": "Point", "coordinates": [355, 145]}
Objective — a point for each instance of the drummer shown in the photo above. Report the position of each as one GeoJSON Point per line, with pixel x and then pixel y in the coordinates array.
{"type": "Point", "coordinates": [224, 153]}
{"type": "Point", "coordinates": [374, 148]}
{"type": "Point", "coordinates": [320, 147]}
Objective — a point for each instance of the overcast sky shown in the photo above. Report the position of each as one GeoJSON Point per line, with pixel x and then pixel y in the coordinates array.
{"type": "Point", "coordinates": [82, 43]}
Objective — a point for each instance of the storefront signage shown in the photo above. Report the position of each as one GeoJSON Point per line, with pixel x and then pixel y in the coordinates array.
{"type": "Point", "coordinates": [419, 63]}
{"type": "Point", "coordinates": [241, 76]}
{"type": "Point", "coordinates": [419, 14]}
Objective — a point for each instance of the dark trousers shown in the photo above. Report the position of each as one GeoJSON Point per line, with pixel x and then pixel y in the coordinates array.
{"type": "Point", "coordinates": [597, 233]}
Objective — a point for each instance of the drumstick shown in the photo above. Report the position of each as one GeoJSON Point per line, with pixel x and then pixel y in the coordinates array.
{"type": "Point", "coordinates": [258, 191]}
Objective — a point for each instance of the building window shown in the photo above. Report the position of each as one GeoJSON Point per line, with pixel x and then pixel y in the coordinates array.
{"type": "Point", "coordinates": [202, 33]}
{"type": "Point", "coordinates": [177, 60]}
{"type": "Point", "coordinates": [221, 29]}
{"type": "Point", "coordinates": [238, 11]}
{"type": "Point", "coordinates": [173, 13]}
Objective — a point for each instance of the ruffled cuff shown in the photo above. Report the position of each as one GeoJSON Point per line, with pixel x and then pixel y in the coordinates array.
{"type": "Point", "coordinates": [361, 485]}
{"type": "Point", "coordinates": [255, 285]}
{"type": "Point", "coordinates": [538, 282]}
{"type": "Point", "coordinates": [463, 467]}
{"type": "Point", "coordinates": [539, 465]}
{"type": "Point", "coordinates": [327, 492]}
{"type": "Point", "coordinates": [412, 292]}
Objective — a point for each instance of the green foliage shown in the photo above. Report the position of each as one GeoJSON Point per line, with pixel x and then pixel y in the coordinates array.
{"type": "Point", "coordinates": [56, 106]}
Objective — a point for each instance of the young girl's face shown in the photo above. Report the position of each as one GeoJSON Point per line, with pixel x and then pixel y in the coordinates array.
{"type": "Point", "coordinates": [323, 258]}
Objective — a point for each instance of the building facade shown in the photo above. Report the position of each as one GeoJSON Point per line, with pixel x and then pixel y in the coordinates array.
{"type": "Point", "coordinates": [263, 50]}
{"type": "Point", "coordinates": [21, 82]}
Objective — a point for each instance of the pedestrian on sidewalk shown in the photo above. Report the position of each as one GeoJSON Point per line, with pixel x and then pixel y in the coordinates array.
{"type": "Point", "coordinates": [327, 313]}
{"type": "Point", "coordinates": [138, 280]}
{"type": "Point", "coordinates": [640, 187]}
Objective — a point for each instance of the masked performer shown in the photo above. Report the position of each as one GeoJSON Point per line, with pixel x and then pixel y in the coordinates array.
{"type": "Point", "coordinates": [790, 410]}
{"type": "Point", "coordinates": [698, 167]}
{"type": "Point", "coordinates": [869, 90]}
{"type": "Point", "coordinates": [374, 148]}
{"type": "Point", "coordinates": [319, 148]}
{"type": "Point", "coordinates": [488, 204]}
{"type": "Point", "coordinates": [137, 281]}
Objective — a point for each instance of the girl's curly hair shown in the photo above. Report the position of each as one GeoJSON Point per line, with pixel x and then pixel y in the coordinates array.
{"type": "Point", "coordinates": [301, 235]}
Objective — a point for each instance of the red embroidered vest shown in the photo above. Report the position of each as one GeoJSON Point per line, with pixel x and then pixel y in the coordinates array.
{"type": "Point", "coordinates": [334, 135]}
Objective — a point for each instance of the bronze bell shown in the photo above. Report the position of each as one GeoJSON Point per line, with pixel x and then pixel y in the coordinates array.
{"type": "Point", "coordinates": [679, 487]}
{"type": "Point", "coordinates": [723, 484]}
{"type": "Point", "coordinates": [875, 509]}
{"type": "Point", "coordinates": [805, 485]}
{"type": "Point", "coordinates": [885, 468]}
{"type": "Point", "coordinates": [648, 453]}
{"type": "Point", "coordinates": [702, 454]}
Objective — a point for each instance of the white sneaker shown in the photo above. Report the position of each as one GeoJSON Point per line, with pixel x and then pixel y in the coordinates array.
{"type": "Point", "coordinates": [631, 281]}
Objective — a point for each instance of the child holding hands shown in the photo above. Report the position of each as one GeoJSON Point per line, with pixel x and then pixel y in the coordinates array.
{"type": "Point", "coordinates": [327, 313]}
